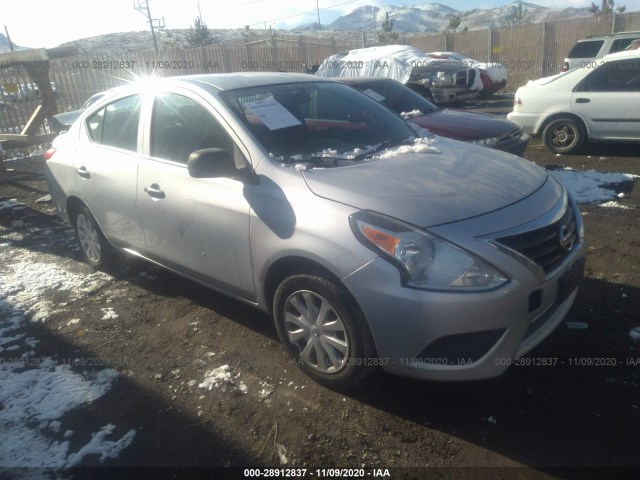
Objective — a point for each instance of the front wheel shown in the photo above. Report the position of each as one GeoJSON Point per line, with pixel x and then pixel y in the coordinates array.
{"type": "Point", "coordinates": [95, 248]}
{"type": "Point", "coordinates": [564, 135]}
{"type": "Point", "coordinates": [323, 331]}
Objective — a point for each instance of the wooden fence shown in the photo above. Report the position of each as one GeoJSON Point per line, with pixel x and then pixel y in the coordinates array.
{"type": "Point", "coordinates": [528, 52]}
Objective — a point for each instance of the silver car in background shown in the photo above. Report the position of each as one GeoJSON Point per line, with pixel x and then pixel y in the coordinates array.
{"type": "Point", "coordinates": [370, 242]}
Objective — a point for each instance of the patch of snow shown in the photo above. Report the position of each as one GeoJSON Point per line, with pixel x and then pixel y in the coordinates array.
{"type": "Point", "coordinates": [108, 313]}
{"type": "Point", "coordinates": [590, 186]}
{"type": "Point", "coordinates": [219, 377]}
{"type": "Point", "coordinates": [35, 395]}
{"type": "Point", "coordinates": [9, 204]}
{"type": "Point", "coordinates": [614, 204]}
{"type": "Point", "coordinates": [99, 446]}
{"type": "Point", "coordinates": [411, 114]}
{"type": "Point", "coordinates": [420, 145]}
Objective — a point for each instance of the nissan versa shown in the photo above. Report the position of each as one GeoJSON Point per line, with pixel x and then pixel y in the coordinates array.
{"type": "Point", "coordinates": [371, 243]}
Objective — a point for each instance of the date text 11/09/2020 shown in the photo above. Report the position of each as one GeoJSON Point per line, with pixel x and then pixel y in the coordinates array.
{"type": "Point", "coordinates": [276, 361]}
{"type": "Point", "coordinates": [318, 472]}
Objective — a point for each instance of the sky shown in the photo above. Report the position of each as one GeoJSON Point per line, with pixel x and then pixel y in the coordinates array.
{"type": "Point", "coordinates": [46, 23]}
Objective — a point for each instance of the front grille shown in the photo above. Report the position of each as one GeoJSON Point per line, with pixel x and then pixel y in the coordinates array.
{"type": "Point", "coordinates": [464, 78]}
{"type": "Point", "coordinates": [510, 137]}
{"type": "Point", "coordinates": [547, 246]}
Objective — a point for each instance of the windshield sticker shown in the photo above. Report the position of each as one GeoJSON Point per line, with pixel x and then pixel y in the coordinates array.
{"type": "Point", "coordinates": [373, 94]}
{"type": "Point", "coordinates": [272, 114]}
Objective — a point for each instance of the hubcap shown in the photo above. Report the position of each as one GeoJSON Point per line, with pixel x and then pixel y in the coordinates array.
{"type": "Point", "coordinates": [89, 239]}
{"type": "Point", "coordinates": [563, 136]}
{"type": "Point", "coordinates": [314, 326]}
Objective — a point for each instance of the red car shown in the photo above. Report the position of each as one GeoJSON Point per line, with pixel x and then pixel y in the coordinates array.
{"type": "Point", "coordinates": [479, 128]}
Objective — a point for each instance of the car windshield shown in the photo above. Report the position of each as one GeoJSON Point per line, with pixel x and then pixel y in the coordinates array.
{"type": "Point", "coordinates": [326, 123]}
{"type": "Point", "coordinates": [397, 97]}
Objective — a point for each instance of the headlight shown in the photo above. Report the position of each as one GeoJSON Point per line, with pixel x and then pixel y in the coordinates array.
{"type": "Point", "coordinates": [485, 142]}
{"type": "Point", "coordinates": [442, 79]}
{"type": "Point", "coordinates": [424, 261]}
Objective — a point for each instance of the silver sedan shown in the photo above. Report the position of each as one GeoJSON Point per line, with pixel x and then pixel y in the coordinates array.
{"type": "Point", "coordinates": [373, 244]}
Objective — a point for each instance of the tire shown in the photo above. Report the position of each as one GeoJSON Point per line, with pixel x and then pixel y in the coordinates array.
{"type": "Point", "coordinates": [95, 248]}
{"type": "Point", "coordinates": [564, 135]}
{"type": "Point", "coordinates": [323, 330]}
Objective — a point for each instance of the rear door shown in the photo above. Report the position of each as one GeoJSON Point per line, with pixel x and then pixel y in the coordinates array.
{"type": "Point", "coordinates": [608, 100]}
{"type": "Point", "coordinates": [197, 226]}
{"type": "Point", "coordinates": [106, 169]}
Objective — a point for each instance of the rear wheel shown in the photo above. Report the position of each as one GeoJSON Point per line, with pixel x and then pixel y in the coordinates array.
{"type": "Point", "coordinates": [323, 331]}
{"type": "Point", "coordinates": [95, 248]}
{"type": "Point", "coordinates": [564, 135]}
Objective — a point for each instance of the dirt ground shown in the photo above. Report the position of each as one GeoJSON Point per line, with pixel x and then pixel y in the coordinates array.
{"type": "Point", "coordinates": [169, 332]}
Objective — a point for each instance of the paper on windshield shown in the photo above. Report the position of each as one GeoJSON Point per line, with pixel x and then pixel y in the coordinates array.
{"type": "Point", "coordinates": [272, 114]}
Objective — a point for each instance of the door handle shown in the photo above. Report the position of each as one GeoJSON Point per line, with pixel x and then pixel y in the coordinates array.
{"type": "Point", "coordinates": [82, 171]}
{"type": "Point", "coordinates": [154, 191]}
{"type": "Point", "coordinates": [583, 100]}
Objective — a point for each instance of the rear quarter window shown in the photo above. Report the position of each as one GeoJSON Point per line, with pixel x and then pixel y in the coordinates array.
{"type": "Point", "coordinates": [588, 49]}
{"type": "Point", "coordinates": [621, 43]}
{"type": "Point", "coordinates": [116, 125]}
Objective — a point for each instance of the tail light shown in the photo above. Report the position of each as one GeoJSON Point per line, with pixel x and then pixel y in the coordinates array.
{"type": "Point", "coordinates": [565, 67]}
{"type": "Point", "coordinates": [49, 153]}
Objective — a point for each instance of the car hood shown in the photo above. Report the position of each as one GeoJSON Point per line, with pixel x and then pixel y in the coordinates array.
{"type": "Point", "coordinates": [465, 126]}
{"type": "Point", "coordinates": [453, 182]}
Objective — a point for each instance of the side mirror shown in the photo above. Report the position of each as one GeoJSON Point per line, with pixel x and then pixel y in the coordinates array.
{"type": "Point", "coordinates": [215, 163]}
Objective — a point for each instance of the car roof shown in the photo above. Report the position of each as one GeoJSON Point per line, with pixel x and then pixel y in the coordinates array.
{"type": "Point", "coordinates": [214, 83]}
{"type": "Point", "coordinates": [611, 35]}
{"type": "Point", "coordinates": [233, 81]}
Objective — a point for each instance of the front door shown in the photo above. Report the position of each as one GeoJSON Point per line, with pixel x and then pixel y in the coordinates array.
{"type": "Point", "coordinates": [197, 226]}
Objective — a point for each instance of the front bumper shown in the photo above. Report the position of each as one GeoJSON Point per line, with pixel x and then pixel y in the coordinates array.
{"type": "Point", "coordinates": [451, 95]}
{"type": "Point", "coordinates": [451, 336]}
{"type": "Point", "coordinates": [518, 147]}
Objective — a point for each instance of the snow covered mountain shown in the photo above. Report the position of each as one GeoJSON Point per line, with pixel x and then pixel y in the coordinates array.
{"type": "Point", "coordinates": [434, 17]}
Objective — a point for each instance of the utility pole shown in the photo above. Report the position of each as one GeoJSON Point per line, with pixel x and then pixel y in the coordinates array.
{"type": "Point", "coordinates": [318, 8]}
{"type": "Point", "coordinates": [143, 7]}
{"type": "Point", "coordinates": [8, 38]}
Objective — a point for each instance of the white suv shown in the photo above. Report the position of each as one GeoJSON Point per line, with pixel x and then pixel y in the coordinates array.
{"type": "Point", "coordinates": [585, 52]}
{"type": "Point", "coordinates": [599, 104]}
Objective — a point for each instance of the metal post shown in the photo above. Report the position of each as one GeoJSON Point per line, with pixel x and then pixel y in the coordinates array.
{"type": "Point", "coordinates": [8, 38]}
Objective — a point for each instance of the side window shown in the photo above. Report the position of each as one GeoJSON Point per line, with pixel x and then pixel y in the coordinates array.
{"type": "Point", "coordinates": [619, 76]}
{"type": "Point", "coordinates": [181, 126]}
{"type": "Point", "coordinates": [620, 44]}
{"type": "Point", "coordinates": [116, 125]}
{"type": "Point", "coordinates": [587, 49]}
